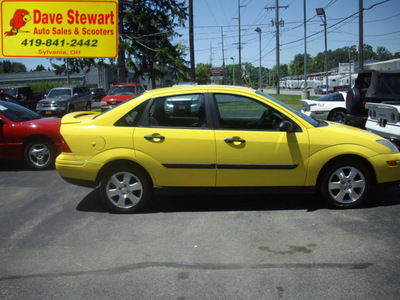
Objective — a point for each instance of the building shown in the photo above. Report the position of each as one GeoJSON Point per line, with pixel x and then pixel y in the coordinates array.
{"type": "Point", "coordinates": [104, 77]}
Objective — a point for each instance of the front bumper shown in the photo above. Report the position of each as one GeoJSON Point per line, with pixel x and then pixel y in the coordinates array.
{"type": "Point", "coordinates": [51, 110]}
{"type": "Point", "coordinates": [384, 172]}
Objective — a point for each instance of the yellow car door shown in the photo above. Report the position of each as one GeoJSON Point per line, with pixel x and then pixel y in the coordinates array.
{"type": "Point", "coordinates": [251, 149]}
{"type": "Point", "coordinates": [178, 146]}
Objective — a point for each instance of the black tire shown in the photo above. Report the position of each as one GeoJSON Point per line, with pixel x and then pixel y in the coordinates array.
{"type": "Point", "coordinates": [39, 155]}
{"type": "Point", "coordinates": [88, 106]}
{"type": "Point", "coordinates": [345, 183]}
{"type": "Point", "coordinates": [354, 102]}
{"type": "Point", "coordinates": [71, 109]}
{"type": "Point", "coordinates": [337, 115]}
{"type": "Point", "coordinates": [125, 189]}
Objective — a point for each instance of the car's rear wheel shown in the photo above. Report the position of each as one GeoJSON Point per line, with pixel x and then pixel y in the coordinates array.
{"type": "Point", "coordinates": [39, 154]}
{"type": "Point", "coordinates": [338, 116]}
{"type": "Point", "coordinates": [345, 184]}
{"type": "Point", "coordinates": [125, 189]}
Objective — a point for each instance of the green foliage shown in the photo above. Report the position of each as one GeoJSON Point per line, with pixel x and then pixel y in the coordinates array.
{"type": "Point", "coordinates": [7, 66]}
{"type": "Point", "coordinates": [75, 65]}
{"type": "Point", "coordinates": [147, 34]}
{"type": "Point", "coordinates": [203, 73]}
{"type": "Point", "coordinates": [44, 86]}
{"type": "Point", "coordinates": [40, 68]}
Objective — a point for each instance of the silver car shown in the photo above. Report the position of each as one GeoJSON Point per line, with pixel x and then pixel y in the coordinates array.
{"type": "Point", "coordinates": [62, 100]}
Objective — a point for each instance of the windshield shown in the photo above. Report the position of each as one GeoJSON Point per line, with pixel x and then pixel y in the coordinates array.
{"type": "Point", "coordinates": [331, 97]}
{"type": "Point", "coordinates": [306, 118]}
{"type": "Point", "coordinates": [123, 90]}
{"type": "Point", "coordinates": [12, 92]}
{"type": "Point", "coordinates": [120, 104]}
{"type": "Point", "coordinates": [17, 113]}
{"type": "Point", "coordinates": [59, 93]}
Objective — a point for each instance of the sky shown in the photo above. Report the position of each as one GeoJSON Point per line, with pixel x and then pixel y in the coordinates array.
{"type": "Point", "coordinates": [217, 20]}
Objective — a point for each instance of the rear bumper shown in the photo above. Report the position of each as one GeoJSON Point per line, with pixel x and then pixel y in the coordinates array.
{"type": "Point", "coordinates": [389, 131]}
{"type": "Point", "coordinates": [82, 173]}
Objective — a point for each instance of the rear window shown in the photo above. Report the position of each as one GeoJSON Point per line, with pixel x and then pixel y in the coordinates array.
{"type": "Point", "coordinates": [331, 97]}
{"type": "Point", "coordinates": [123, 90]}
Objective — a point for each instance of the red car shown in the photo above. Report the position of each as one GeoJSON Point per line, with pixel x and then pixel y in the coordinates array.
{"type": "Point", "coordinates": [119, 93]}
{"type": "Point", "coordinates": [26, 135]}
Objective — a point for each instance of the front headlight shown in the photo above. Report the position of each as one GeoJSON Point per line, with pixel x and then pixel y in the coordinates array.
{"type": "Point", "coordinates": [389, 145]}
{"type": "Point", "coordinates": [59, 104]}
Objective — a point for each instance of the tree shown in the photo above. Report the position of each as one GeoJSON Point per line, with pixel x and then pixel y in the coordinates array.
{"type": "Point", "coordinates": [40, 68]}
{"type": "Point", "coordinates": [146, 36]}
{"type": "Point", "coordinates": [368, 52]}
{"type": "Point", "coordinates": [383, 54]}
{"type": "Point", "coordinates": [75, 65]}
{"type": "Point", "coordinates": [203, 73]}
{"type": "Point", "coordinates": [7, 66]}
{"type": "Point", "coordinates": [296, 67]}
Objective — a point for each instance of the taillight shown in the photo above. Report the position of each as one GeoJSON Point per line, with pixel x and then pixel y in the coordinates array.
{"type": "Point", "coordinates": [65, 147]}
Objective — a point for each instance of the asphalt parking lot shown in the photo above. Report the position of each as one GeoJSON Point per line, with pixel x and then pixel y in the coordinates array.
{"type": "Point", "coordinates": [58, 242]}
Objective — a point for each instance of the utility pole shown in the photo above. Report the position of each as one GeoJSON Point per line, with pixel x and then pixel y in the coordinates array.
{"type": "Point", "coordinates": [240, 45]}
{"type": "Point", "coordinates": [121, 50]}
{"type": "Point", "coordinates": [191, 42]}
{"type": "Point", "coordinates": [305, 46]}
{"type": "Point", "coordinates": [277, 23]}
{"type": "Point", "coordinates": [211, 53]}
{"type": "Point", "coordinates": [223, 55]}
{"type": "Point", "coordinates": [258, 29]}
{"type": "Point", "coordinates": [360, 35]}
{"type": "Point", "coordinates": [321, 12]}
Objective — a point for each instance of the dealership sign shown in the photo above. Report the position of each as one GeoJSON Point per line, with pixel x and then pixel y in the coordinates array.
{"type": "Point", "coordinates": [67, 29]}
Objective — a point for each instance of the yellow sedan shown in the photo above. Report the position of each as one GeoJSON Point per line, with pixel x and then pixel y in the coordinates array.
{"type": "Point", "coordinates": [219, 137]}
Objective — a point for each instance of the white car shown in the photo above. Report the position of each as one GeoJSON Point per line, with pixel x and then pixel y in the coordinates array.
{"type": "Point", "coordinates": [384, 120]}
{"type": "Point", "coordinates": [330, 107]}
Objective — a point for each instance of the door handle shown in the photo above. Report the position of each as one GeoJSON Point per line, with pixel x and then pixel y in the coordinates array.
{"type": "Point", "coordinates": [154, 138]}
{"type": "Point", "coordinates": [234, 140]}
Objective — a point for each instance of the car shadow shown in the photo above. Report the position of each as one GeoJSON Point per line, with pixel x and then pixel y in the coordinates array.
{"type": "Point", "coordinates": [13, 165]}
{"type": "Point", "coordinates": [179, 202]}
{"type": "Point", "coordinates": [19, 165]}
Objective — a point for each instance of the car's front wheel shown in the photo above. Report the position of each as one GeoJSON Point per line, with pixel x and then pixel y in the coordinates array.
{"type": "Point", "coordinates": [345, 184]}
{"type": "Point", "coordinates": [125, 189]}
{"type": "Point", "coordinates": [338, 116]}
{"type": "Point", "coordinates": [39, 155]}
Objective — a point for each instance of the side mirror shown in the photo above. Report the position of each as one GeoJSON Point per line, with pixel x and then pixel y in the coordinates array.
{"type": "Point", "coordinates": [285, 126]}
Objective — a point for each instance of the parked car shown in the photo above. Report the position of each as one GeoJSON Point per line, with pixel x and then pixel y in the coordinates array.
{"type": "Point", "coordinates": [26, 135]}
{"type": "Point", "coordinates": [370, 87]}
{"type": "Point", "coordinates": [183, 105]}
{"type": "Point", "coordinates": [97, 93]}
{"type": "Point", "coordinates": [24, 95]}
{"type": "Point", "coordinates": [8, 98]}
{"type": "Point", "coordinates": [384, 119]}
{"type": "Point", "coordinates": [120, 93]}
{"type": "Point", "coordinates": [66, 99]}
{"type": "Point", "coordinates": [321, 89]}
{"type": "Point", "coordinates": [242, 138]}
{"type": "Point", "coordinates": [330, 107]}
